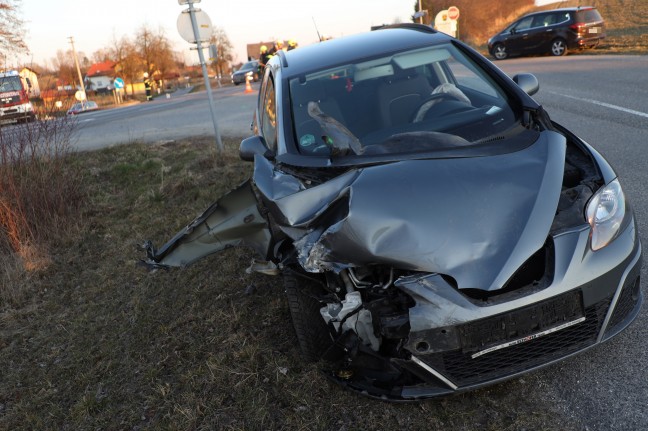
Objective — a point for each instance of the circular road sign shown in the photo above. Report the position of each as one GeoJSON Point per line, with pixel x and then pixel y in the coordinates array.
{"type": "Point", "coordinates": [80, 96]}
{"type": "Point", "coordinates": [453, 12]}
{"type": "Point", "coordinates": [118, 83]}
{"type": "Point", "coordinates": [186, 29]}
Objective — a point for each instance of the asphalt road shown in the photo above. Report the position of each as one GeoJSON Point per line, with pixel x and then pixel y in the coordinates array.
{"type": "Point", "coordinates": [181, 115]}
{"type": "Point", "coordinates": [604, 99]}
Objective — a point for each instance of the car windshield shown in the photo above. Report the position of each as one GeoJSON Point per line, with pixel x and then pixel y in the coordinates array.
{"type": "Point", "coordinates": [419, 100]}
{"type": "Point", "coordinates": [10, 83]}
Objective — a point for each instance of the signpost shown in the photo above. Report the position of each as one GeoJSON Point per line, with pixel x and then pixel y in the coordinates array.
{"type": "Point", "coordinates": [446, 21]}
{"type": "Point", "coordinates": [118, 85]}
{"type": "Point", "coordinates": [453, 13]}
{"type": "Point", "coordinates": [194, 26]}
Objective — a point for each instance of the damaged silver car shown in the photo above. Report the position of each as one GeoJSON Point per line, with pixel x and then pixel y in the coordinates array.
{"type": "Point", "coordinates": [435, 229]}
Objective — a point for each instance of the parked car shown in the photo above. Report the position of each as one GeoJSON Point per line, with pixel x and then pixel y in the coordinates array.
{"type": "Point", "coordinates": [81, 107]}
{"type": "Point", "coordinates": [554, 31]}
{"type": "Point", "coordinates": [251, 69]}
{"type": "Point", "coordinates": [436, 231]}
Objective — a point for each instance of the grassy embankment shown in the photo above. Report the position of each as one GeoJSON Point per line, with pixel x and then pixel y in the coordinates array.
{"type": "Point", "coordinates": [94, 341]}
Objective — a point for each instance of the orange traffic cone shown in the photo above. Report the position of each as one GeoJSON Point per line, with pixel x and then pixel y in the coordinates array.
{"type": "Point", "coordinates": [248, 87]}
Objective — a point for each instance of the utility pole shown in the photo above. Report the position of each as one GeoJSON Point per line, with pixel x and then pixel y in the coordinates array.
{"type": "Point", "coordinates": [76, 61]}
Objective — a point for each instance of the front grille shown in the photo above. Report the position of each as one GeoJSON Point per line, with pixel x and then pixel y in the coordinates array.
{"type": "Point", "coordinates": [464, 370]}
{"type": "Point", "coordinates": [625, 304]}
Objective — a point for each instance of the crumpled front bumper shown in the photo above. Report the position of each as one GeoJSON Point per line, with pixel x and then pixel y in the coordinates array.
{"type": "Point", "coordinates": [607, 281]}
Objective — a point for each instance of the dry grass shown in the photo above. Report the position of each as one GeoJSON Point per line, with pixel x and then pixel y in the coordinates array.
{"type": "Point", "coordinates": [96, 342]}
{"type": "Point", "coordinates": [40, 191]}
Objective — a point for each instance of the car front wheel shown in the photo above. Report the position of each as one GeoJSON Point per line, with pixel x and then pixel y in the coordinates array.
{"type": "Point", "coordinates": [558, 47]}
{"type": "Point", "coordinates": [311, 330]}
{"type": "Point", "coordinates": [499, 52]}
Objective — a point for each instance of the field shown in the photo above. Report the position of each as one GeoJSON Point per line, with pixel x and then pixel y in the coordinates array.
{"type": "Point", "coordinates": [95, 341]}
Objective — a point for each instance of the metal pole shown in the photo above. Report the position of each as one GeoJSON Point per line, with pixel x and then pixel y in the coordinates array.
{"type": "Point", "coordinates": [421, 12]}
{"type": "Point", "coordinates": [194, 24]}
{"type": "Point", "coordinates": [76, 61]}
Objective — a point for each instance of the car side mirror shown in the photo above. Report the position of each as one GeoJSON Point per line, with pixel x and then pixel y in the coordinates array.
{"type": "Point", "coordinates": [527, 82]}
{"type": "Point", "coordinates": [252, 146]}
{"type": "Point", "coordinates": [512, 31]}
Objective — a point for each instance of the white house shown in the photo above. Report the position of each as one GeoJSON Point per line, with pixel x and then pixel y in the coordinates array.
{"type": "Point", "coordinates": [100, 76]}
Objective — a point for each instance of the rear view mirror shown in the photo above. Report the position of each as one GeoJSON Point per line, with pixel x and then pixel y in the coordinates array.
{"type": "Point", "coordinates": [527, 82]}
{"type": "Point", "coordinates": [254, 145]}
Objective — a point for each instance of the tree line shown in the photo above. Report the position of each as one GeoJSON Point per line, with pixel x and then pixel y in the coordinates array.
{"type": "Point", "coordinates": [148, 50]}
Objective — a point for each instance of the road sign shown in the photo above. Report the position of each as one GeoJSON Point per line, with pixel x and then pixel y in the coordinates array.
{"type": "Point", "coordinates": [453, 12]}
{"type": "Point", "coordinates": [118, 83]}
{"type": "Point", "coordinates": [186, 29]}
{"type": "Point", "coordinates": [80, 96]}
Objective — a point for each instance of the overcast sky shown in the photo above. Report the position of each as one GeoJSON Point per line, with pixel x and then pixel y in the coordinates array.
{"type": "Point", "coordinates": [94, 24]}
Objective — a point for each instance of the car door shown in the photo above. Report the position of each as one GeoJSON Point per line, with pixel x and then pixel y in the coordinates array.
{"type": "Point", "coordinates": [516, 40]}
{"type": "Point", "coordinates": [533, 37]}
{"type": "Point", "coordinates": [545, 28]}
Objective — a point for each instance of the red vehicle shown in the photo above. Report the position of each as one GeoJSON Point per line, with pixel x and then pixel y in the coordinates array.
{"type": "Point", "coordinates": [14, 100]}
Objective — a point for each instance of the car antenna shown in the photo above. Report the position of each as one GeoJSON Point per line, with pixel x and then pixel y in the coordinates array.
{"type": "Point", "coordinates": [318, 33]}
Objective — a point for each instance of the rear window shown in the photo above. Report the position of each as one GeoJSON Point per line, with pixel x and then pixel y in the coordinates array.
{"type": "Point", "coordinates": [589, 15]}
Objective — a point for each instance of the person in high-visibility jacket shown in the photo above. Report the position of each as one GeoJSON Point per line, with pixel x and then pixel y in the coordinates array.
{"type": "Point", "coordinates": [148, 87]}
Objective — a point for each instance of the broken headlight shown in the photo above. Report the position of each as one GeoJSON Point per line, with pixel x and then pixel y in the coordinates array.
{"type": "Point", "coordinates": [605, 213]}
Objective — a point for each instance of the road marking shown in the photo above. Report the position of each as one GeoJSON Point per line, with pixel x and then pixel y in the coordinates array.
{"type": "Point", "coordinates": [605, 105]}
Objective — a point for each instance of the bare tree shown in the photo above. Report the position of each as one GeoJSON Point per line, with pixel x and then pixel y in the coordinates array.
{"type": "Point", "coordinates": [12, 30]}
{"type": "Point", "coordinates": [224, 47]}
{"type": "Point", "coordinates": [155, 51]}
{"type": "Point", "coordinates": [130, 65]}
{"type": "Point", "coordinates": [64, 66]}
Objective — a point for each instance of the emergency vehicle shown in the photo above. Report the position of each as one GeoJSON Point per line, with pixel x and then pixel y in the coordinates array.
{"type": "Point", "coordinates": [14, 98]}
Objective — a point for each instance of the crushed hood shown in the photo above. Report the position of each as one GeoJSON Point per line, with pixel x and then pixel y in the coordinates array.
{"type": "Point", "coordinates": [474, 219]}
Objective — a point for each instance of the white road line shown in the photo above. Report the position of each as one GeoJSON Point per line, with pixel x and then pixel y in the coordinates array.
{"type": "Point", "coordinates": [606, 105]}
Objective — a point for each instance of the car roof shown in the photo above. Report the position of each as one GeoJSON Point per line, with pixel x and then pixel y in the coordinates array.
{"type": "Point", "coordinates": [355, 47]}
{"type": "Point", "coordinates": [562, 9]}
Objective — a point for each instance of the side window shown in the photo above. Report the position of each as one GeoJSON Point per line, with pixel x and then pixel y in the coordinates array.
{"type": "Point", "coordinates": [544, 20]}
{"type": "Point", "coordinates": [524, 24]}
{"type": "Point", "coordinates": [562, 17]}
{"type": "Point", "coordinates": [268, 114]}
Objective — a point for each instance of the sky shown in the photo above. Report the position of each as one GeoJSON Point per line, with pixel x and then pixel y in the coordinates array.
{"type": "Point", "coordinates": [95, 24]}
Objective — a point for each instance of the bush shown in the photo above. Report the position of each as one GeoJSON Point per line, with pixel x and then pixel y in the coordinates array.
{"type": "Point", "coordinates": [40, 186]}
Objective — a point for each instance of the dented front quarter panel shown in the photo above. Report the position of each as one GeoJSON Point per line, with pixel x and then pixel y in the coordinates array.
{"type": "Point", "coordinates": [233, 220]}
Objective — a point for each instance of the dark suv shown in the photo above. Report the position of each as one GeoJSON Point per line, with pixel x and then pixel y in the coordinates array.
{"type": "Point", "coordinates": [553, 31]}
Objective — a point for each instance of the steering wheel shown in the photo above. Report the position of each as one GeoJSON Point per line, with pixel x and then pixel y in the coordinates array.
{"type": "Point", "coordinates": [431, 101]}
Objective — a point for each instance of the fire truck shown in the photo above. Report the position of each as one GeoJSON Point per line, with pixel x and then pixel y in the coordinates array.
{"type": "Point", "coordinates": [15, 106]}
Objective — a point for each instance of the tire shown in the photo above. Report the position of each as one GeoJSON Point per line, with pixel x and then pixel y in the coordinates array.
{"type": "Point", "coordinates": [499, 52]}
{"type": "Point", "coordinates": [312, 333]}
{"type": "Point", "coordinates": [558, 47]}
{"type": "Point", "coordinates": [236, 83]}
